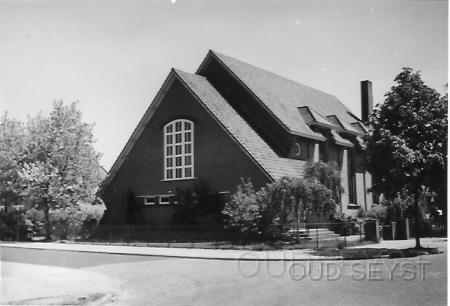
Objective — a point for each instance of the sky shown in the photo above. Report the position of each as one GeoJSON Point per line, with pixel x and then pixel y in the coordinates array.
{"type": "Point", "coordinates": [113, 56]}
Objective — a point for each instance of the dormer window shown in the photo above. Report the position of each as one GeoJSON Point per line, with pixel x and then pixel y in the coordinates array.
{"type": "Point", "coordinates": [179, 150]}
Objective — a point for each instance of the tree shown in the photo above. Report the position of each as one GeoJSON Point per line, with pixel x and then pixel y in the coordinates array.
{"type": "Point", "coordinates": [407, 144]}
{"type": "Point", "coordinates": [12, 143]}
{"type": "Point", "coordinates": [59, 167]}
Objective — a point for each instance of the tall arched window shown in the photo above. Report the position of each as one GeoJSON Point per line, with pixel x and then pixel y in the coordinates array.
{"type": "Point", "coordinates": [179, 149]}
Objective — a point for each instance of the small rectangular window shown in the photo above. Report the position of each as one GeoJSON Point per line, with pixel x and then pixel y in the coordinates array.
{"type": "Point", "coordinates": [187, 126]}
{"type": "Point", "coordinates": [178, 126]}
{"type": "Point", "coordinates": [178, 173]}
{"type": "Point", "coordinates": [169, 139]}
{"type": "Point", "coordinates": [164, 200]}
{"type": "Point", "coordinates": [150, 200]}
{"type": "Point", "coordinates": [169, 129]}
{"type": "Point", "coordinates": [169, 162]}
{"type": "Point", "coordinates": [178, 161]}
{"type": "Point", "coordinates": [169, 151]}
{"type": "Point", "coordinates": [169, 173]}
{"type": "Point", "coordinates": [178, 138]}
{"type": "Point", "coordinates": [187, 160]}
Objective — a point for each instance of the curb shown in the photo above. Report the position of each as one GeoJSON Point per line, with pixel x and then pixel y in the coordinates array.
{"type": "Point", "coordinates": [240, 258]}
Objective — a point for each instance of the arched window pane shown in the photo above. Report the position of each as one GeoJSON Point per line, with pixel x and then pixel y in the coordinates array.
{"type": "Point", "coordinates": [178, 151]}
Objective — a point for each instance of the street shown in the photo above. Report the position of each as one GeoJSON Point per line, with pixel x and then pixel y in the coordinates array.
{"type": "Point", "coordinates": [143, 280]}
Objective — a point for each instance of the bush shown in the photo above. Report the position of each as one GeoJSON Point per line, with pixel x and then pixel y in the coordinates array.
{"type": "Point", "coordinates": [377, 212]}
{"type": "Point", "coordinates": [265, 213]}
{"type": "Point", "coordinates": [75, 222]}
{"type": "Point", "coordinates": [245, 210]}
{"type": "Point", "coordinates": [327, 174]}
{"type": "Point", "coordinates": [14, 226]}
{"type": "Point", "coordinates": [36, 217]}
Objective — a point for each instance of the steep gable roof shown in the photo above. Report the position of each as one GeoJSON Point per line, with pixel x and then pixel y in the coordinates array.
{"type": "Point", "coordinates": [283, 96]}
{"type": "Point", "coordinates": [240, 130]}
{"type": "Point", "coordinates": [273, 165]}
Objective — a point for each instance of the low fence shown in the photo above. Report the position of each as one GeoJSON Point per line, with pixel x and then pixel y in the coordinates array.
{"type": "Point", "coordinates": [289, 236]}
{"type": "Point", "coordinates": [318, 235]}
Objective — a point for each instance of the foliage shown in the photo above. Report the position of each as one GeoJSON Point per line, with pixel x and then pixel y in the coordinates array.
{"type": "Point", "coordinates": [327, 174]}
{"type": "Point", "coordinates": [245, 209]}
{"type": "Point", "coordinates": [12, 144]}
{"type": "Point", "coordinates": [293, 200]}
{"type": "Point", "coordinates": [377, 212]}
{"type": "Point", "coordinates": [14, 226]}
{"type": "Point", "coordinates": [37, 219]}
{"type": "Point", "coordinates": [75, 222]}
{"type": "Point", "coordinates": [288, 200]}
{"type": "Point", "coordinates": [407, 145]}
{"type": "Point", "coordinates": [49, 163]}
{"type": "Point", "coordinates": [361, 214]}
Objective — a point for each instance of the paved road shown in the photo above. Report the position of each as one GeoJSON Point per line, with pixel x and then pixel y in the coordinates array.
{"type": "Point", "coordinates": [166, 281]}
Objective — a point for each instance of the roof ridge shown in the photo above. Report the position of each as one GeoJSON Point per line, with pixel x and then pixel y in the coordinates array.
{"type": "Point", "coordinates": [272, 73]}
{"type": "Point", "coordinates": [188, 73]}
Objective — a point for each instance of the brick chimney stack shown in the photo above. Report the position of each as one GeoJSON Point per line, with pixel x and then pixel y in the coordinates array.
{"type": "Point", "coordinates": [366, 100]}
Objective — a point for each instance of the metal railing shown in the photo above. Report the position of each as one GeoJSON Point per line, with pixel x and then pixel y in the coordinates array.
{"type": "Point", "coordinates": [289, 236]}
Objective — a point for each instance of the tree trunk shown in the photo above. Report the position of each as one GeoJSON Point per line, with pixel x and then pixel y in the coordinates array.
{"type": "Point", "coordinates": [417, 220]}
{"type": "Point", "coordinates": [47, 225]}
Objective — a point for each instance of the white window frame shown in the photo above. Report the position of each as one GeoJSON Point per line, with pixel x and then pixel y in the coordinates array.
{"type": "Point", "coordinates": [171, 132]}
{"type": "Point", "coordinates": [165, 202]}
{"type": "Point", "coordinates": [157, 199]}
{"type": "Point", "coordinates": [146, 202]}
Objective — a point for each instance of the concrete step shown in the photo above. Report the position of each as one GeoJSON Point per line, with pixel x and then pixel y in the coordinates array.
{"type": "Point", "coordinates": [311, 230]}
{"type": "Point", "coordinates": [320, 234]}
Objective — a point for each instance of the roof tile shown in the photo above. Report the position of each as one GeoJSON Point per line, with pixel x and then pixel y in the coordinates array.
{"type": "Point", "coordinates": [283, 96]}
{"type": "Point", "coordinates": [274, 165]}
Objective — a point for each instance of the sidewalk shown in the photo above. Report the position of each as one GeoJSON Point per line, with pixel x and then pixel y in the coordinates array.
{"type": "Point", "coordinates": [218, 254]}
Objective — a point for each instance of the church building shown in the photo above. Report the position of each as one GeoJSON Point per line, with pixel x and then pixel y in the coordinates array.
{"type": "Point", "coordinates": [231, 120]}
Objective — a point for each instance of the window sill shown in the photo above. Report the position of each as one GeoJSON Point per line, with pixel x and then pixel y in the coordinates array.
{"type": "Point", "coordinates": [180, 179]}
{"type": "Point", "coordinates": [161, 205]}
{"type": "Point", "coordinates": [353, 206]}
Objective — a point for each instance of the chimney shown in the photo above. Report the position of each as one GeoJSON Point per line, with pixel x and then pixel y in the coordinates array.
{"type": "Point", "coordinates": [366, 100]}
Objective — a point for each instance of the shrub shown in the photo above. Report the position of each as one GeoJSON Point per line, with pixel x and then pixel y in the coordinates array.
{"type": "Point", "coordinates": [36, 217]}
{"type": "Point", "coordinates": [14, 226]}
{"type": "Point", "coordinates": [377, 212]}
{"type": "Point", "coordinates": [245, 210]}
{"type": "Point", "coordinates": [267, 211]}
{"type": "Point", "coordinates": [327, 174]}
{"type": "Point", "coordinates": [78, 221]}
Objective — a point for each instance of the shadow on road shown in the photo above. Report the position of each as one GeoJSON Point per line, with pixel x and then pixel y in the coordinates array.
{"type": "Point", "coordinates": [67, 259]}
